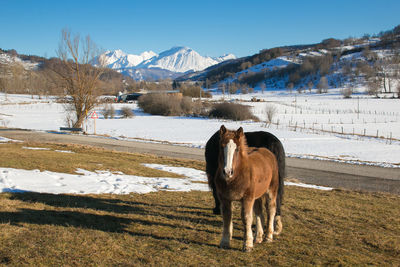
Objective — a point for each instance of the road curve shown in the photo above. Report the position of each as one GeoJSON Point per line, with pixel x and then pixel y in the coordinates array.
{"type": "Point", "coordinates": [325, 173]}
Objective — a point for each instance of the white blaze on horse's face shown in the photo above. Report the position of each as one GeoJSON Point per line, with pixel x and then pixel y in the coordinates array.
{"type": "Point", "coordinates": [229, 151]}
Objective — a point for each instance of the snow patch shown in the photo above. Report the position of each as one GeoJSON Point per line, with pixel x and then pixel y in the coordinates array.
{"type": "Point", "coordinates": [106, 182]}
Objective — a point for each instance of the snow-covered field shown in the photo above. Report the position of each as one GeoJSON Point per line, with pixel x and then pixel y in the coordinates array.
{"type": "Point", "coordinates": [302, 122]}
{"type": "Point", "coordinates": [310, 126]}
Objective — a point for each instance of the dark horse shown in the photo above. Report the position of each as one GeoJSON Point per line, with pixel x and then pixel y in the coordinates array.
{"type": "Point", "coordinates": [249, 175]}
{"type": "Point", "coordinates": [254, 139]}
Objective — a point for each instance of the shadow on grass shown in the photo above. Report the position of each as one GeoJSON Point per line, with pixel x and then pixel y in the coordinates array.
{"type": "Point", "coordinates": [87, 202]}
{"type": "Point", "coordinates": [122, 218]}
{"type": "Point", "coordinates": [104, 223]}
{"type": "Point", "coordinates": [191, 213]}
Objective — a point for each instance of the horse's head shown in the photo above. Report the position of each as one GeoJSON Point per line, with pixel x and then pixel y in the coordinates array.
{"type": "Point", "coordinates": [231, 144]}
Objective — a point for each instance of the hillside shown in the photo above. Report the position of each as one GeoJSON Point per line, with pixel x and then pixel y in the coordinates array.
{"type": "Point", "coordinates": [370, 62]}
{"type": "Point", "coordinates": [27, 74]}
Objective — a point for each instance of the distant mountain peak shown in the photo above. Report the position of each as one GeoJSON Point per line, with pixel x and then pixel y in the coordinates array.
{"type": "Point", "coordinates": [178, 59]}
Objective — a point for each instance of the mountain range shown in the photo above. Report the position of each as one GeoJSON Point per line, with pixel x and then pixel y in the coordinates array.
{"type": "Point", "coordinates": [171, 63]}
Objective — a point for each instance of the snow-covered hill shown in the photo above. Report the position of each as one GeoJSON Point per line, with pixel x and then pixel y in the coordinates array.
{"type": "Point", "coordinates": [355, 65]}
{"type": "Point", "coordinates": [149, 65]}
{"type": "Point", "coordinates": [6, 59]}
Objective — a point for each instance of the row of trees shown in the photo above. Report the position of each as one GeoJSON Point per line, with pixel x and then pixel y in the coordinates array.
{"type": "Point", "coordinates": [43, 81]}
{"type": "Point", "coordinates": [383, 75]}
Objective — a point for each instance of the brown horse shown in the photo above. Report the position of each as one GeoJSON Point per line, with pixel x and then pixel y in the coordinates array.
{"type": "Point", "coordinates": [249, 175]}
{"type": "Point", "coordinates": [254, 139]}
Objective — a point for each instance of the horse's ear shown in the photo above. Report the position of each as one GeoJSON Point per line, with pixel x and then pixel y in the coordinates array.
{"type": "Point", "coordinates": [222, 130]}
{"type": "Point", "coordinates": [239, 132]}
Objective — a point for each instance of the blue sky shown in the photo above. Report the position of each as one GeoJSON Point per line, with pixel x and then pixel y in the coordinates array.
{"type": "Point", "coordinates": [211, 27]}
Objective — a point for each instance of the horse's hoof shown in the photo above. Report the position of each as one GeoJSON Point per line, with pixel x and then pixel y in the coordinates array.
{"type": "Point", "coordinates": [247, 249]}
{"type": "Point", "coordinates": [224, 245]}
{"type": "Point", "coordinates": [268, 240]}
{"type": "Point", "coordinates": [216, 211]}
{"type": "Point", "coordinates": [258, 240]}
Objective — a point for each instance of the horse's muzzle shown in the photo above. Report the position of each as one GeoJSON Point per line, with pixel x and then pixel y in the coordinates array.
{"type": "Point", "coordinates": [228, 172]}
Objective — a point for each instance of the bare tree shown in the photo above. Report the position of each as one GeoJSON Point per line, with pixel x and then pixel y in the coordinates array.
{"type": "Point", "coordinates": [78, 77]}
{"type": "Point", "coordinates": [398, 90]}
{"type": "Point", "coordinates": [3, 86]}
{"type": "Point", "coordinates": [310, 85]}
{"type": "Point", "coordinates": [322, 86]}
{"type": "Point", "coordinates": [270, 112]}
{"type": "Point", "coordinates": [263, 87]}
{"type": "Point", "coordinates": [374, 86]}
{"type": "Point", "coordinates": [222, 87]}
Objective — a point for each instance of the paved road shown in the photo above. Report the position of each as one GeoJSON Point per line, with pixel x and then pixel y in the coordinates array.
{"type": "Point", "coordinates": [326, 173]}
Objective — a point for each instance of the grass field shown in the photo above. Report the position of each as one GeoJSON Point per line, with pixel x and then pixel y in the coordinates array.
{"type": "Point", "coordinates": [178, 228]}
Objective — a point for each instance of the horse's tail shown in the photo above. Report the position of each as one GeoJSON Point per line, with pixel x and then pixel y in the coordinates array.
{"type": "Point", "coordinates": [281, 158]}
{"type": "Point", "coordinates": [211, 155]}
{"type": "Point", "coordinates": [282, 175]}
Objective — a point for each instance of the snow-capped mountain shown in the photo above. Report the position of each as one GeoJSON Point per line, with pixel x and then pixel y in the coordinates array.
{"type": "Point", "coordinates": [182, 59]}
{"type": "Point", "coordinates": [119, 60]}
{"type": "Point", "coordinates": [176, 60]}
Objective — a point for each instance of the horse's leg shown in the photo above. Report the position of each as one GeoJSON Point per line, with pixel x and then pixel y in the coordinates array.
{"type": "Point", "coordinates": [259, 220]}
{"type": "Point", "coordinates": [278, 225]}
{"type": "Point", "coordinates": [278, 218]}
{"type": "Point", "coordinates": [247, 218]}
{"type": "Point", "coordinates": [271, 207]}
{"type": "Point", "coordinates": [226, 208]}
{"type": "Point", "coordinates": [217, 209]}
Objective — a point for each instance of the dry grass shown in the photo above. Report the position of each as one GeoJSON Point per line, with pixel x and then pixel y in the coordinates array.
{"type": "Point", "coordinates": [88, 158]}
{"type": "Point", "coordinates": [171, 228]}
{"type": "Point", "coordinates": [178, 229]}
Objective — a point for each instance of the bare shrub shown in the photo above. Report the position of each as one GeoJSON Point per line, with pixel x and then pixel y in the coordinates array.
{"type": "Point", "coordinates": [127, 112]}
{"type": "Point", "coordinates": [322, 86]}
{"type": "Point", "coordinates": [270, 112]}
{"type": "Point", "coordinates": [232, 111]}
{"type": "Point", "coordinates": [166, 105]}
{"type": "Point", "coordinates": [193, 91]}
{"type": "Point", "coordinates": [108, 111]}
{"type": "Point", "coordinates": [187, 105]}
{"type": "Point", "coordinates": [201, 108]}
{"type": "Point", "coordinates": [347, 92]}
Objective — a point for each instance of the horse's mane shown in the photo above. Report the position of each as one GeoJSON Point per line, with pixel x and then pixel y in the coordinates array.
{"type": "Point", "coordinates": [243, 144]}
